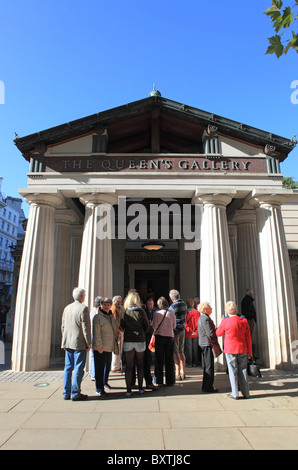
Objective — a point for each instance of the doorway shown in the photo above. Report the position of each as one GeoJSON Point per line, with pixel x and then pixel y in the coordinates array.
{"type": "Point", "coordinates": [155, 280]}
{"type": "Point", "coordinates": [152, 283]}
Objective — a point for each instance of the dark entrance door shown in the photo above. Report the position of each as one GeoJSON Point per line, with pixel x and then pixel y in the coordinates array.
{"type": "Point", "coordinates": [152, 282]}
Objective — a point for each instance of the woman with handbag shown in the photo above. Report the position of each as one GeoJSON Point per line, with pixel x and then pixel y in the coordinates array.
{"type": "Point", "coordinates": [135, 324]}
{"type": "Point", "coordinates": [164, 322]}
{"type": "Point", "coordinates": [237, 348]}
{"type": "Point", "coordinates": [207, 336]}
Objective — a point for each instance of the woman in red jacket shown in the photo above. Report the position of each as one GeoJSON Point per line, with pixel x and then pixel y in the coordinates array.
{"type": "Point", "coordinates": [237, 348]}
{"type": "Point", "coordinates": [191, 345]}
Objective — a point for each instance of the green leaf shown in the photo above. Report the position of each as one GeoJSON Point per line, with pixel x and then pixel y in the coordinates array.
{"type": "Point", "coordinates": [277, 3]}
{"type": "Point", "coordinates": [276, 46]}
{"type": "Point", "coordinates": [273, 12]}
{"type": "Point", "coordinates": [278, 23]}
{"type": "Point", "coordinates": [294, 41]}
{"type": "Point", "coordinates": [287, 17]}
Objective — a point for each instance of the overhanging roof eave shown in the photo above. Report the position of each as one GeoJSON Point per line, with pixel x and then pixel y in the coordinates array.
{"type": "Point", "coordinates": [102, 119]}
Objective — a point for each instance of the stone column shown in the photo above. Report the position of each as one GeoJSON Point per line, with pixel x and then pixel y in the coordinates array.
{"type": "Point", "coordinates": [62, 273]}
{"type": "Point", "coordinates": [248, 262]}
{"type": "Point", "coordinates": [216, 269]}
{"type": "Point", "coordinates": [247, 265]}
{"type": "Point", "coordinates": [76, 233]}
{"type": "Point", "coordinates": [234, 253]}
{"type": "Point", "coordinates": [34, 303]}
{"type": "Point", "coordinates": [277, 326]}
{"type": "Point", "coordinates": [96, 275]}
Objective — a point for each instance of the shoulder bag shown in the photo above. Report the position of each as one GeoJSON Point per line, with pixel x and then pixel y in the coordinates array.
{"type": "Point", "coordinates": [253, 369]}
{"type": "Point", "coordinates": [216, 349]}
{"type": "Point", "coordinates": [151, 345]}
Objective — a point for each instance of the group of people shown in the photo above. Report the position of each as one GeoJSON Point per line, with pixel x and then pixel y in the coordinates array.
{"type": "Point", "coordinates": [184, 333]}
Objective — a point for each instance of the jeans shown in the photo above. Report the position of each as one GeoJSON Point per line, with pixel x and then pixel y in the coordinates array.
{"type": "Point", "coordinates": [102, 362]}
{"type": "Point", "coordinates": [237, 367]}
{"type": "Point", "coordinates": [73, 372]}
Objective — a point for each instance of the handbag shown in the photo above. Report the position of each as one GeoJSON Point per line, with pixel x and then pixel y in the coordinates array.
{"type": "Point", "coordinates": [216, 349]}
{"type": "Point", "coordinates": [151, 345]}
{"type": "Point", "coordinates": [253, 369]}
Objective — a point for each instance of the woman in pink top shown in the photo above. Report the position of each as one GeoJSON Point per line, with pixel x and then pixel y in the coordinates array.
{"type": "Point", "coordinates": [237, 348]}
{"type": "Point", "coordinates": [163, 323]}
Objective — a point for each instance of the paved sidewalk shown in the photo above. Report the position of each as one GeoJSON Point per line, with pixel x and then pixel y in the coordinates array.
{"type": "Point", "coordinates": [33, 414]}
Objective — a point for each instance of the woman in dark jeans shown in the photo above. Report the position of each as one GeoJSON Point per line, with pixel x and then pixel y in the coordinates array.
{"type": "Point", "coordinates": [135, 323]}
{"type": "Point", "coordinates": [206, 329]}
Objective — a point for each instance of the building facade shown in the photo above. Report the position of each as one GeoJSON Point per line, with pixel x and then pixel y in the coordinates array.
{"type": "Point", "coordinates": [11, 218]}
{"type": "Point", "coordinates": [208, 190]}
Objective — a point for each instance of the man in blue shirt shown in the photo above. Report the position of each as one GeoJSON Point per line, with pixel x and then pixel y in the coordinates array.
{"type": "Point", "coordinates": [180, 309]}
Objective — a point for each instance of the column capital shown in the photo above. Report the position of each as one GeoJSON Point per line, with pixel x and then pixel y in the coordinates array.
{"type": "Point", "coordinates": [213, 199]}
{"type": "Point", "coordinates": [94, 199]}
{"type": "Point", "coordinates": [244, 216]}
{"type": "Point", "coordinates": [65, 216]}
{"type": "Point", "coordinates": [268, 198]}
{"type": "Point", "coordinates": [232, 227]}
{"type": "Point", "coordinates": [53, 199]}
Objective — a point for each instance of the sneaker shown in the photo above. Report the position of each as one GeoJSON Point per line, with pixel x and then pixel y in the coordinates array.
{"type": "Point", "coordinates": [107, 387]}
{"type": "Point", "coordinates": [102, 394]}
{"type": "Point", "coordinates": [80, 397]}
{"type": "Point", "coordinates": [141, 391]}
{"type": "Point", "coordinates": [128, 394]}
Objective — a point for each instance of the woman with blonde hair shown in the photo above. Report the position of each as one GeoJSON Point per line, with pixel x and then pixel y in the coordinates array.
{"type": "Point", "coordinates": [237, 348]}
{"type": "Point", "coordinates": [135, 323]}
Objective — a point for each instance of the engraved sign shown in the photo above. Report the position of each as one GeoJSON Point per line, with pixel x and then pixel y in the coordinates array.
{"type": "Point", "coordinates": [144, 164]}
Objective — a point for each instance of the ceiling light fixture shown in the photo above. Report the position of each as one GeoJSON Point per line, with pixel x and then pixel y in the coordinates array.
{"type": "Point", "coordinates": [153, 246]}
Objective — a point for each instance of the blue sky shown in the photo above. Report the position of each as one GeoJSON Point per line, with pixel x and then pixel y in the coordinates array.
{"type": "Point", "coordinates": [61, 60]}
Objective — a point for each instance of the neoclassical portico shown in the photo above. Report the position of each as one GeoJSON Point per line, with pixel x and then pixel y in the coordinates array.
{"type": "Point", "coordinates": [71, 237]}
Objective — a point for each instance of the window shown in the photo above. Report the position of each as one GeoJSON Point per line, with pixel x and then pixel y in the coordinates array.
{"type": "Point", "coordinates": [211, 144]}
{"type": "Point", "coordinates": [272, 165]}
{"type": "Point", "coordinates": [100, 143]}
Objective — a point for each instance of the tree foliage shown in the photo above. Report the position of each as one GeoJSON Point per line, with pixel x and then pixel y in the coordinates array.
{"type": "Point", "coordinates": [289, 183]}
{"type": "Point", "coordinates": [283, 18]}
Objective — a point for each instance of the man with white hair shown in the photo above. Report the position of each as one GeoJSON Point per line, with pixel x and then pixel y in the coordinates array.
{"type": "Point", "coordinates": [76, 341]}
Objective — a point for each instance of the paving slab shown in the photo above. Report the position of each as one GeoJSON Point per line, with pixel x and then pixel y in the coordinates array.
{"type": "Point", "coordinates": [71, 420]}
{"type": "Point", "coordinates": [44, 439]}
{"type": "Point", "coordinates": [206, 439]}
{"type": "Point", "coordinates": [272, 438]}
{"type": "Point", "coordinates": [122, 439]}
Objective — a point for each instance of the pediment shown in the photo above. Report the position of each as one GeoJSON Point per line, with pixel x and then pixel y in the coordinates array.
{"type": "Point", "coordinates": [153, 125]}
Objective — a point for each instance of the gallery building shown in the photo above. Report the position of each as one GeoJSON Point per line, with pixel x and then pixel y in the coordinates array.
{"type": "Point", "coordinates": [156, 195]}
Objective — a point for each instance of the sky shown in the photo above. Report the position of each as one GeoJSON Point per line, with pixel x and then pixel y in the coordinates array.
{"type": "Point", "coordinates": [62, 60]}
